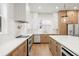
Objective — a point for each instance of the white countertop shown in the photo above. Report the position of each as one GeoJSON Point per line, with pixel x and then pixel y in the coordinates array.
{"type": "Point", "coordinates": [71, 42]}
{"type": "Point", "coordinates": [9, 46]}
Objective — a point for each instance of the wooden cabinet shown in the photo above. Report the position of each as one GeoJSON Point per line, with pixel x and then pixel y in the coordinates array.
{"type": "Point", "coordinates": [15, 53]}
{"type": "Point", "coordinates": [44, 38]}
{"type": "Point", "coordinates": [41, 38]}
{"type": "Point", "coordinates": [20, 50]}
{"type": "Point", "coordinates": [58, 49]}
{"type": "Point", "coordinates": [62, 13]}
{"type": "Point", "coordinates": [62, 26]}
{"type": "Point", "coordinates": [73, 16]}
{"type": "Point", "coordinates": [55, 47]}
{"type": "Point", "coordinates": [52, 46]}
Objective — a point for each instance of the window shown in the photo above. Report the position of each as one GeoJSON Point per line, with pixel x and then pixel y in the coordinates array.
{"type": "Point", "coordinates": [3, 18]}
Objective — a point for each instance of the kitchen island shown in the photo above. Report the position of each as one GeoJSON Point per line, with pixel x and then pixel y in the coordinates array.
{"type": "Point", "coordinates": [71, 43]}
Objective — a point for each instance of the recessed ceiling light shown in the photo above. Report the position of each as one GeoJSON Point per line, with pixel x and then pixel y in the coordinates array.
{"type": "Point", "coordinates": [57, 7]}
{"type": "Point", "coordinates": [75, 7]}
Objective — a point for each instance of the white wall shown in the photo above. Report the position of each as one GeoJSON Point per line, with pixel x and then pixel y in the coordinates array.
{"type": "Point", "coordinates": [0, 9]}
{"type": "Point", "coordinates": [20, 14]}
{"type": "Point", "coordinates": [36, 23]}
{"type": "Point", "coordinates": [50, 28]}
{"type": "Point", "coordinates": [53, 26]}
{"type": "Point", "coordinates": [29, 19]}
{"type": "Point", "coordinates": [8, 15]}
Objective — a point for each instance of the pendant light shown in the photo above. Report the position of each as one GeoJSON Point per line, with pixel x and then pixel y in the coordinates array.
{"type": "Point", "coordinates": [65, 18]}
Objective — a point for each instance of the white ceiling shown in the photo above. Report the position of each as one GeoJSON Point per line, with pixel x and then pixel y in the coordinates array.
{"type": "Point", "coordinates": [51, 7]}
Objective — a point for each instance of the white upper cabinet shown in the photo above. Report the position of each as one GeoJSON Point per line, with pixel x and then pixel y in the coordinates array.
{"type": "Point", "coordinates": [20, 11]}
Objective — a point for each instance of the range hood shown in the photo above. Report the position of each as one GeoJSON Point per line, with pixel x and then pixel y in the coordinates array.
{"type": "Point", "coordinates": [20, 21]}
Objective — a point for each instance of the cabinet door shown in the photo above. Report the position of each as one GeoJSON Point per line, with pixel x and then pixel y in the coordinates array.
{"type": "Point", "coordinates": [21, 50]}
{"type": "Point", "coordinates": [62, 26]}
{"type": "Point", "coordinates": [73, 16]}
{"type": "Point", "coordinates": [55, 47]}
{"type": "Point", "coordinates": [54, 52]}
{"type": "Point", "coordinates": [62, 13]}
{"type": "Point", "coordinates": [44, 38]}
{"type": "Point", "coordinates": [58, 49]}
{"type": "Point", "coordinates": [47, 38]}
{"type": "Point", "coordinates": [25, 48]}
{"type": "Point", "coordinates": [18, 51]}
{"type": "Point", "coordinates": [15, 53]}
{"type": "Point", "coordinates": [52, 46]}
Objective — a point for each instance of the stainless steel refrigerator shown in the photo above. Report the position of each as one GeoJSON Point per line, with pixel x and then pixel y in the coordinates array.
{"type": "Point", "coordinates": [73, 29]}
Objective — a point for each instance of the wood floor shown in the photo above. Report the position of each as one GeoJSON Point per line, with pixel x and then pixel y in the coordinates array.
{"type": "Point", "coordinates": [40, 50]}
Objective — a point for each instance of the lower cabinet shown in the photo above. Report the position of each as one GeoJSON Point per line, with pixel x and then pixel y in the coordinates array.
{"type": "Point", "coordinates": [41, 38]}
{"type": "Point", "coordinates": [55, 47]}
{"type": "Point", "coordinates": [44, 38]}
{"type": "Point", "coordinates": [20, 50]}
{"type": "Point", "coordinates": [59, 52]}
